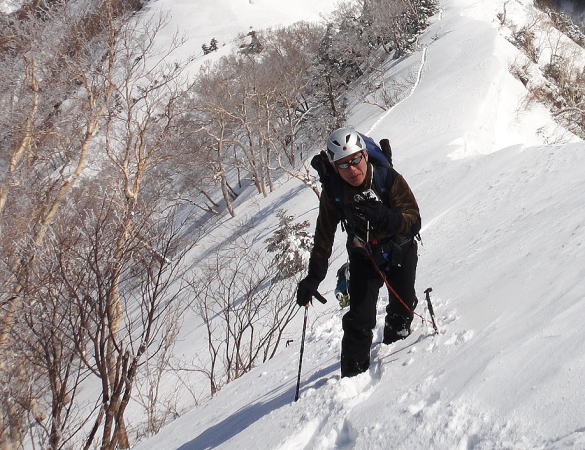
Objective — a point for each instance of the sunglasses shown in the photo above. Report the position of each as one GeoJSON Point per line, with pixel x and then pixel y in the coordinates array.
{"type": "Point", "coordinates": [352, 162]}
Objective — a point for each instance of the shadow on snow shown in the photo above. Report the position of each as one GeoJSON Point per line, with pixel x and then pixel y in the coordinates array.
{"type": "Point", "coordinates": [246, 416]}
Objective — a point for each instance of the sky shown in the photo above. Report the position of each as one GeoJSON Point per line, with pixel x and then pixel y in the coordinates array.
{"type": "Point", "coordinates": [500, 192]}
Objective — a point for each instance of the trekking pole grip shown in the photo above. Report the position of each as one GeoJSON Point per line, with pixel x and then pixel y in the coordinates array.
{"type": "Point", "coordinates": [319, 297]}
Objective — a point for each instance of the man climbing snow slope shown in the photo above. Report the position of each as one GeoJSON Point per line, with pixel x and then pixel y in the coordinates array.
{"type": "Point", "coordinates": [381, 217]}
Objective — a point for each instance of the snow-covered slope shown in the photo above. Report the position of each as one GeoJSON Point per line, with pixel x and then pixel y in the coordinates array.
{"type": "Point", "coordinates": [503, 233]}
{"type": "Point", "coordinates": [225, 20]}
{"type": "Point", "coordinates": [8, 6]}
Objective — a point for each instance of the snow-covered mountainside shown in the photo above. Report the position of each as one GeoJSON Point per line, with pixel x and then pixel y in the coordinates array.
{"type": "Point", "coordinates": [499, 187]}
{"type": "Point", "coordinates": [228, 20]}
{"type": "Point", "coordinates": [8, 6]}
{"type": "Point", "coordinates": [224, 19]}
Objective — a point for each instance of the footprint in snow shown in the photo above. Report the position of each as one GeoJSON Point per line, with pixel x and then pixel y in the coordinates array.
{"type": "Point", "coordinates": [459, 338]}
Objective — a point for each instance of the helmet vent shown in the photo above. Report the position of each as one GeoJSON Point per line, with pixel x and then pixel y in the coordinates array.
{"type": "Point", "coordinates": [343, 142]}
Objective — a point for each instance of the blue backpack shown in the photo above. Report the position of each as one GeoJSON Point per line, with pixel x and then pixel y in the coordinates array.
{"type": "Point", "coordinates": [382, 153]}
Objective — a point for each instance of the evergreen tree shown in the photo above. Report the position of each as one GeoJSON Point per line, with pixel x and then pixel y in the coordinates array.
{"type": "Point", "coordinates": [291, 244]}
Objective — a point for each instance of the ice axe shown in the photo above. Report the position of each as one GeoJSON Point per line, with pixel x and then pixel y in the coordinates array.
{"type": "Point", "coordinates": [430, 306]}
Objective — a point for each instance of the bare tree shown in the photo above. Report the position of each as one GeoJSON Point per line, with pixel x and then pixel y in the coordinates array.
{"type": "Point", "coordinates": [146, 276]}
{"type": "Point", "coordinates": [213, 116]}
{"type": "Point", "coordinates": [563, 88]}
{"type": "Point", "coordinates": [159, 405]}
{"type": "Point", "coordinates": [304, 174]}
{"type": "Point", "coordinates": [48, 143]}
{"type": "Point", "coordinates": [109, 85]}
{"type": "Point", "coordinates": [69, 145]}
{"type": "Point", "coordinates": [388, 23]}
{"type": "Point", "coordinates": [254, 100]}
{"type": "Point", "coordinates": [137, 137]}
{"type": "Point", "coordinates": [384, 93]}
{"type": "Point", "coordinates": [48, 336]}
{"type": "Point", "coordinates": [245, 312]}
{"type": "Point", "coordinates": [287, 57]}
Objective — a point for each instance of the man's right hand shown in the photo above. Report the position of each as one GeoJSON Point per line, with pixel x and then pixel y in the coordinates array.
{"type": "Point", "coordinates": [307, 287]}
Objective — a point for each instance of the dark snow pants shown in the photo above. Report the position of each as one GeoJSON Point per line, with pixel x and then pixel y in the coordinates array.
{"type": "Point", "coordinates": [364, 286]}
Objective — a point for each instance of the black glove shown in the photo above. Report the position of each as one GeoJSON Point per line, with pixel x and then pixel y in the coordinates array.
{"type": "Point", "coordinates": [307, 287]}
{"type": "Point", "coordinates": [381, 218]}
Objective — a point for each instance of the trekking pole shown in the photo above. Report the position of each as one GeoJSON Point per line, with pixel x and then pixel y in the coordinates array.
{"type": "Point", "coordinates": [323, 300]}
{"type": "Point", "coordinates": [430, 306]}
{"type": "Point", "coordinates": [301, 355]}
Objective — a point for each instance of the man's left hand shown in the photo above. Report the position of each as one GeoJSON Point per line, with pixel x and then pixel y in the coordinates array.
{"type": "Point", "coordinates": [381, 218]}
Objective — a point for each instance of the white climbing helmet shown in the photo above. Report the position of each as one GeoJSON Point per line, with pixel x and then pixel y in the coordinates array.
{"type": "Point", "coordinates": [344, 142]}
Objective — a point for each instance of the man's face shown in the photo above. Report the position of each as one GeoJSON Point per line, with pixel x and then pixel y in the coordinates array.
{"type": "Point", "coordinates": [353, 168]}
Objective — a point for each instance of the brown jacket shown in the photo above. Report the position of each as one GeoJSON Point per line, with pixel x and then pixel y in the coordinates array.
{"type": "Point", "coordinates": [401, 197]}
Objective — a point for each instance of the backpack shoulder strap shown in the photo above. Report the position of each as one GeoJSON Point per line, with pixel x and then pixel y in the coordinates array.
{"type": "Point", "coordinates": [382, 181]}
{"type": "Point", "coordinates": [330, 181]}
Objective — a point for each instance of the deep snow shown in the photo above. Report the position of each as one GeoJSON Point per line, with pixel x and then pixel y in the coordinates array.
{"type": "Point", "coordinates": [503, 236]}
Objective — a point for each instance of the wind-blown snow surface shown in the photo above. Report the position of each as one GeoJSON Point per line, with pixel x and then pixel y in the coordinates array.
{"type": "Point", "coordinates": [504, 234]}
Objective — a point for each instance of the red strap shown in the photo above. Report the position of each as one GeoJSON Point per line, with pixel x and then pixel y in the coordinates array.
{"type": "Point", "coordinates": [391, 289]}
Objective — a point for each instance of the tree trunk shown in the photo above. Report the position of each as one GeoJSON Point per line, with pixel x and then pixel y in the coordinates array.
{"type": "Point", "coordinates": [331, 96]}
{"type": "Point", "coordinates": [13, 304]}
{"type": "Point", "coordinates": [25, 142]}
{"type": "Point", "coordinates": [225, 191]}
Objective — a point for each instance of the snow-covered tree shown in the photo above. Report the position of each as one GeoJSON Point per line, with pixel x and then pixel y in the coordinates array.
{"type": "Point", "coordinates": [291, 244]}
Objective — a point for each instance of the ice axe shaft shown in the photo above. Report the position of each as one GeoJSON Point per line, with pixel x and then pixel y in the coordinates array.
{"type": "Point", "coordinates": [430, 306]}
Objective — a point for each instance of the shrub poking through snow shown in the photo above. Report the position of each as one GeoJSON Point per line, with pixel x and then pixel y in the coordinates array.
{"type": "Point", "coordinates": [559, 80]}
